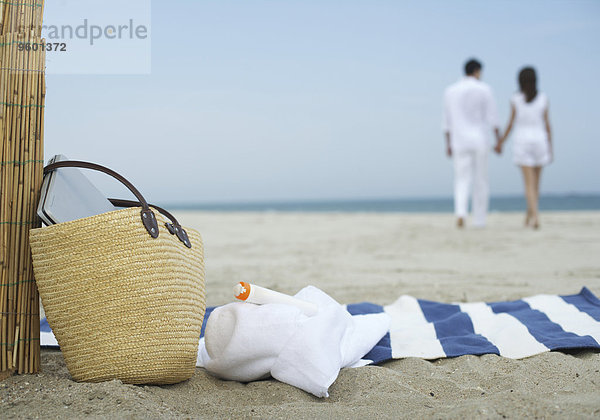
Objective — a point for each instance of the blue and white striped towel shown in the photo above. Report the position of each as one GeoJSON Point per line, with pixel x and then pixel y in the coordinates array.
{"type": "Point", "coordinates": [433, 330]}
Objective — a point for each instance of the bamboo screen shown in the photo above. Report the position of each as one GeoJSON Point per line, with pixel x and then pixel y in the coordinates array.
{"type": "Point", "coordinates": [22, 91]}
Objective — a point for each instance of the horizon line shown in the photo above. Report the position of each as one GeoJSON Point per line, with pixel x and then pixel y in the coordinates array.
{"type": "Point", "coordinates": [359, 200]}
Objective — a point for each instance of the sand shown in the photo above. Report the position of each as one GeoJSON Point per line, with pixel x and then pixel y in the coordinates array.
{"type": "Point", "coordinates": [367, 257]}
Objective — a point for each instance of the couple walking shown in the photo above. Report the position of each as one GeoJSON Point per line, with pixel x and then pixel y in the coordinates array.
{"type": "Point", "coordinates": [469, 115]}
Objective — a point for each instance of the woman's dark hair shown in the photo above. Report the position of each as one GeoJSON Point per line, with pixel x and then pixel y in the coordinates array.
{"type": "Point", "coordinates": [528, 83]}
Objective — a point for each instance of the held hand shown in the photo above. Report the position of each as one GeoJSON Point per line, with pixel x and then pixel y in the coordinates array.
{"type": "Point", "coordinates": [449, 151]}
{"type": "Point", "coordinates": [499, 143]}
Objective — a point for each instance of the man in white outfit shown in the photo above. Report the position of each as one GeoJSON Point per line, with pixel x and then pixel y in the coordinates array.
{"type": "Point", "coordinates": [469, 116]}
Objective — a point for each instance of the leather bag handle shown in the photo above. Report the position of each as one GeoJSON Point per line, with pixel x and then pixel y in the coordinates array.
{"type": "Point", "coordinates": [174, 227]}
{"type": "Point", "coordinates": [146, 214]}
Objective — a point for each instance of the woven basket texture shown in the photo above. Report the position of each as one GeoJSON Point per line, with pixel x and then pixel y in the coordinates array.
{"type": "Point", "coordinates": [121, 304]}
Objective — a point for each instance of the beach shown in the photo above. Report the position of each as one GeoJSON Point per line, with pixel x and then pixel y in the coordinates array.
{"type": "Point", "coordinates": [374, 257]}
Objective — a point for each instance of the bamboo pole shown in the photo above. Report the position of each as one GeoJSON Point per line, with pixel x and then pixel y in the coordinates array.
{"type": "Point", "coordinates": [4, 62]}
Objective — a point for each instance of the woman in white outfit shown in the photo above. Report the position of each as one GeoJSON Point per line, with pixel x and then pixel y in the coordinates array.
{"type": "Point", "coordinates": [532, 147]}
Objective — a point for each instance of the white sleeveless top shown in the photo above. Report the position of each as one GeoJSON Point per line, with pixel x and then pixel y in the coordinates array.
{"type": "Point", "coordinates": [529, 125]}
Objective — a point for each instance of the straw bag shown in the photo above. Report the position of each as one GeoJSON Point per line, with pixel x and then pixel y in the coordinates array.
{"type": "Point", "coordinates": [123, 291]}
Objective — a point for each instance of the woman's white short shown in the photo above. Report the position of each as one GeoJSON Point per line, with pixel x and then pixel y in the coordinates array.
{"type": "Point", "coordinates": [531, 153]}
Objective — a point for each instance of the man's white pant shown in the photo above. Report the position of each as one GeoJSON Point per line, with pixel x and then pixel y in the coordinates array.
{"type": "Point", "coordinates": [470, 170]}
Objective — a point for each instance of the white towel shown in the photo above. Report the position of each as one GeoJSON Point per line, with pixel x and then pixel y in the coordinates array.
{"type": "Point", "coordinates": [246, 342]}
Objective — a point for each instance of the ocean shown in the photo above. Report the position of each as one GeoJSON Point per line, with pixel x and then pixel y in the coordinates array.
{"type": "Point", "coordinates": [575, 202]}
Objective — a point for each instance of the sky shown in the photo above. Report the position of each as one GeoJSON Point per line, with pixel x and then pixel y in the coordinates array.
{"type": "Point", "coordinates": [251, 101]}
